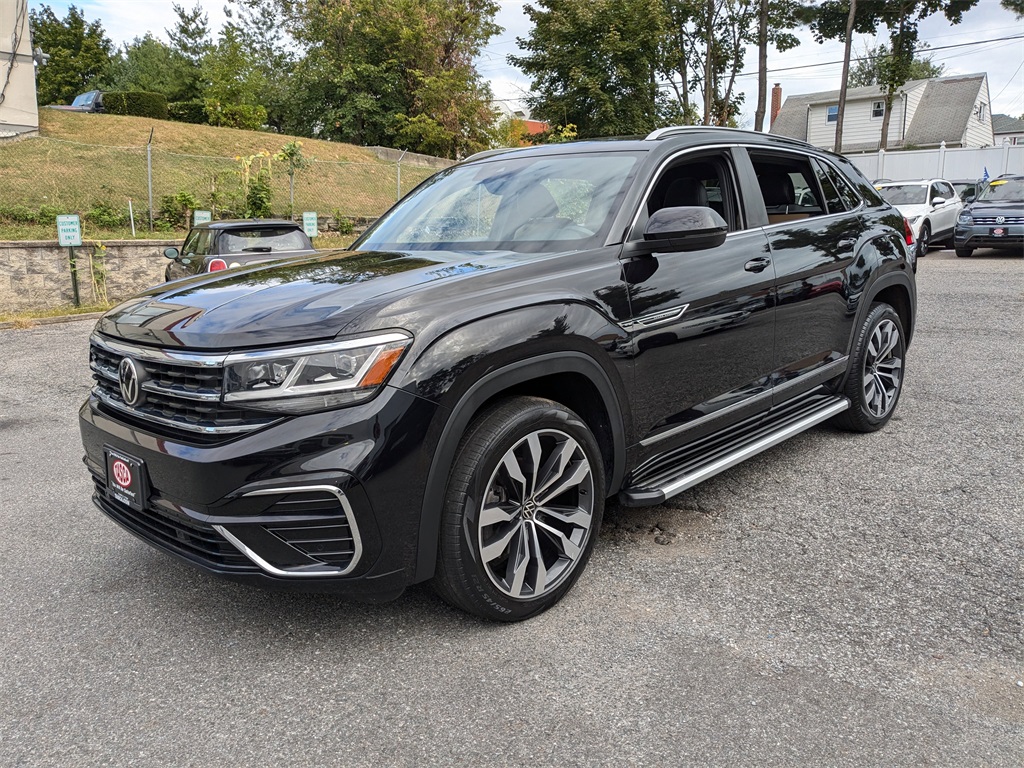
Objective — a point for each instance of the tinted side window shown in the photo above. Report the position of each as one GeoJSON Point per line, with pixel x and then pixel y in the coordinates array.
{"type": "Point", "coordinates": [947, 191]}
{"type": "Point", "coordinates": [789, 187]}
{"type": "Point", "coordinates": [833, 199]}
{"type": "Point", "coordinates": [706, 180]}
{"type": "Point", "coordinates": [198, 243]}
{"type": "Point", "coordinates": [850, 198]}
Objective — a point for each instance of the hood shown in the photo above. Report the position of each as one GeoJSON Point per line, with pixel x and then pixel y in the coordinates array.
{"type": "Point", "coordinates": [282, 302]}
{"type": "Point", "coordinates": [996, 208]}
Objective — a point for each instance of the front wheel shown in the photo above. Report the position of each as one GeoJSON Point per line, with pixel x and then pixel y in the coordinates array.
{"type": "Point", "coordinates": [875, 380]}
{"type": "Point", "coordinates": [924, 240]}
{"type": "Point", "coordinates": [522, 511]}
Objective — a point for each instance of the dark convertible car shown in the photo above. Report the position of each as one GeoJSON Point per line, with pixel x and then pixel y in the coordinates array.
{"type": "Point", "coordinates": [525, 335]}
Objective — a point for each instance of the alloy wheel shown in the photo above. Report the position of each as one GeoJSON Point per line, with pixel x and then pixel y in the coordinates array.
{"type": "Point", "coordinates": [883, 369]}
{"type": "Point", "coordinates": [535, 518]}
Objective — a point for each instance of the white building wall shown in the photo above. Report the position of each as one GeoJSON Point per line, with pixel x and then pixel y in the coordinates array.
{"type": "Point", "coordinates": [18, 111]}
{"type": "Point", "coordinates": [979, 129]}
{"type": "Point", "coordinates": [859, 127]}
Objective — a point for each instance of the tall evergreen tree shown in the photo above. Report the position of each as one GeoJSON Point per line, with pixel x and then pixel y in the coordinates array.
{"type": "Point", "coordinates": [79, 54]}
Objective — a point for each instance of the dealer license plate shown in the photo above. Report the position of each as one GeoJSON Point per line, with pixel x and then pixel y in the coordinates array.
{"type": "Point", "coordinates": [126, 480]}
{"type": "Point", "coordinates": [998, 231]}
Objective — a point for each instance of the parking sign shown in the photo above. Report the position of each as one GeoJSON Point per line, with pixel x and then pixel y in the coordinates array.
{"type": "Point", "coordinates": [200, 217]}
{"type": "Point", "coordinates": [69, 231]}
{"type": "Point", "coordinates": [309, 223]}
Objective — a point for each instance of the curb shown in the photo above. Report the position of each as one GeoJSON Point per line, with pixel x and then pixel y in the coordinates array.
{"type": "Point", "coordinates": [33, 322]}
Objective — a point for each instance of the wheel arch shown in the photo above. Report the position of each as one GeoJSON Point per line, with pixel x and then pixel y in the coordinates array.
{"type": "Point", "coordinates": [571, 378]}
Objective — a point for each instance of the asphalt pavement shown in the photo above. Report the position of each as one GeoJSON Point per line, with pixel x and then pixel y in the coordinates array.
{"type": "Point", "coordinates": [839, 600]}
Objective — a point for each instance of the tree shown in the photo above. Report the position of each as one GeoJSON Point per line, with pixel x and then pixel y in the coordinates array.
{"type": "Point", "coordinates": [190, 43]}
{"type": "Point", "coordinates": [146, 64]}
{"type": "Point", "coordinates": [594, 63]}
{"type": "Point", "coordinates": [1015, 7]}
{"type": "Point", "coordinates": [901, 18]}
{"type": "Point", "coordinates": [870, 70]}
{"type": "Point", "coordinates": [393, 72]}
{"type": "Point", "coordinates": [234, 84]}
{"type": "Point", "coordinates": [79, 54]}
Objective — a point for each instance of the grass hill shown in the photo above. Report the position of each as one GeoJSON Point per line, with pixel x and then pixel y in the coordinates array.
{"type": "Point", "coordinates": [92, 164]}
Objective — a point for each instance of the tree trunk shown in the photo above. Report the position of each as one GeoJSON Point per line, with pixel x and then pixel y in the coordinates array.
{"type": "Point", "coordinates": [883, 141]}
{"type": "Point", "coordinates": [762, 67]}
{"type": "Point", "coordinates": [709, 88]}
{"type": "Point", "coordinates": [846, 74]}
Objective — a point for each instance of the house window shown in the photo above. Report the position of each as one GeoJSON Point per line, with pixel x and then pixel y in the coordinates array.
{"type": "Point", "coordinates": [832, 113]}
{"type": "Point", "coordinates": [980, 111]}
{"type": "Point", "coordinates": [877, 109]}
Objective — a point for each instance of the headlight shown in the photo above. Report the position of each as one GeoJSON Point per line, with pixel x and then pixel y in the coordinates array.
{"type": "Point", "coordinates": [314, 377]}
{"type": "Point", "coordinates": [965, 218]}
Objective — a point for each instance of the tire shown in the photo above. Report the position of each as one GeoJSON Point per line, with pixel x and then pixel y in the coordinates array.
{"type": "Point", "coordinates": [506, 551]}
{"type": "Point", "coordinates": [924, 241]}
{"type": "Point", "coordinates": [964, 253]}
{"type": "Point", "coordinates": [875, 378]}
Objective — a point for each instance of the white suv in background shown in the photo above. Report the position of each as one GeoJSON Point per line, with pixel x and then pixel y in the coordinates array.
{"type": "Point", "coordinates": [930, 205]}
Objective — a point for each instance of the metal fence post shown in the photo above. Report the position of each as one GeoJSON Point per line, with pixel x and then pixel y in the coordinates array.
{"type": "Point", "coordinates": [399, 174]}
{"type": "Point", "coordinates": [149, 175]}
{"type": "Point", "coordinates": [942, 160]}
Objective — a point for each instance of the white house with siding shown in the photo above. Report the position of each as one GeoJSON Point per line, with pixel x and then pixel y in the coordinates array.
{"type": "Point", "coordinates": [925, 113]}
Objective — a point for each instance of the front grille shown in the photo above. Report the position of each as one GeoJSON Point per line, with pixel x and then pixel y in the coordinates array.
{"type": "Point", "coordinates": [178, 533]}
{"type": "Point", "coordinates": [181, 392]}
{"type": "Point", "coordinates": [992, 220]}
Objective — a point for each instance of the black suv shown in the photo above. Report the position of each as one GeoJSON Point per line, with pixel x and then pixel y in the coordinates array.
{"type": "Point", "coordinates": [994, 220]}
{"type": "Point", "coordinates": [523, 336]}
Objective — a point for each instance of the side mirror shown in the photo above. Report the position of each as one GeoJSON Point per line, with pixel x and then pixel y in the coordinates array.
{"type": "Point", "coordinates": [171, 253]}
{"type": "Point", "coordinates": [937, 201]}
{"type": "Point", "coordinates": [687, 228]}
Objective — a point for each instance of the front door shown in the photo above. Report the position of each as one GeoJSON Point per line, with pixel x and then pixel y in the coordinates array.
{"type": "Point", "coordinates": [703, 321]}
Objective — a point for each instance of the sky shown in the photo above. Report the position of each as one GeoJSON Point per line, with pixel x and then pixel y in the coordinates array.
{"type": "Point", "coordinates": [1003, 61]}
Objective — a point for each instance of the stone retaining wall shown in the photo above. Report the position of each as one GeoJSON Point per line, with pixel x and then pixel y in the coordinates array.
{"type": "Point", "coordinates": [35, 274]}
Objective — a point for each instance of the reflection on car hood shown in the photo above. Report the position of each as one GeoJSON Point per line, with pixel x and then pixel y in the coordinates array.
{"type": "Point", "coordinates": [910, 210]}
{"type": "Point", "coordinates": [997, 208]}
{"type": "Point", "coordinates": [282, 302]}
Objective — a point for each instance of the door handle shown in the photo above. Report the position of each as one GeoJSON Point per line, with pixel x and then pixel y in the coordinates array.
{"type": "Point", "coordinates": [760, 264]}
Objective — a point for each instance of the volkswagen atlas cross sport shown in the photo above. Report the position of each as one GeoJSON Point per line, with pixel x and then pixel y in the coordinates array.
{"type": "Point", "coordinates": [524, 336]}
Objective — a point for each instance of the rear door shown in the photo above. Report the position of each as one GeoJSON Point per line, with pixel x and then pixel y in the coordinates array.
{"type": "Point", "coordinates": [813, 240]}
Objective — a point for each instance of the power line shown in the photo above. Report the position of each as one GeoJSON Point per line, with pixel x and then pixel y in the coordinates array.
{"type": "Point", "coordinates": [866, 58]}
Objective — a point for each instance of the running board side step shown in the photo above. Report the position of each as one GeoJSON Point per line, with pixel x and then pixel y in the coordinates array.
{"type": "Point", "coordinates": [697, 466]}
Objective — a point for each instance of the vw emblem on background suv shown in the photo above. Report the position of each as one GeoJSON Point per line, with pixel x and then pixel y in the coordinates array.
{"type": "Point", "coordinates": [1000, 219]}
{"type": "Point", "coordinates": [128, 377]}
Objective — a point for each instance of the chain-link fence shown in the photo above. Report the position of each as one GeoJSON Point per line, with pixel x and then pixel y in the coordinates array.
{"type": "Point", "coordinates": [97, 181]}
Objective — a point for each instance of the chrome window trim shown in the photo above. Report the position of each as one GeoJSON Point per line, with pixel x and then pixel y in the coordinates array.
{"type": "Point", "coordinates": [747, 146]}
{"type": "Point", "coordinates": [304, 571]}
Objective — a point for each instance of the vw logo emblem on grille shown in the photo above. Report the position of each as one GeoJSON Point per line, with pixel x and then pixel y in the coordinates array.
{"type": "Point", "coordinates": [1000, 219]}
{"type": "Point", "coordinates": [128, 378]}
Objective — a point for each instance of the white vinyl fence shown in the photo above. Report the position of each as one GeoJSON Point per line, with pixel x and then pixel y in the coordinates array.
{"type": "Point", "coordinates": [941, 163]}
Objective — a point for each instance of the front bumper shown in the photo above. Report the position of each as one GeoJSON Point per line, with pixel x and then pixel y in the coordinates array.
{"type": "Point", "coordinates": [323, 502]}
{"type": "Point", "coordinates": [981, 236]}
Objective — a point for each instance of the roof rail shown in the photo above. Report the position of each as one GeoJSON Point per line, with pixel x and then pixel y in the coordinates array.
{"type": "Point", "coordinates": [674, 130]}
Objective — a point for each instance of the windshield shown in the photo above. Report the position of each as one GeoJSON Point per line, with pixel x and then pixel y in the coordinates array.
{"type": "Point", "coordinates": [262, 241]}
{"type": "Point", "coordinates": [83, 99]}
{"type": "Point", "coordinates": [1004, 190]}
{"type": "Point", "coordinates": [526, 204]}
{"type": "Point", "coordinates": [905, 194]}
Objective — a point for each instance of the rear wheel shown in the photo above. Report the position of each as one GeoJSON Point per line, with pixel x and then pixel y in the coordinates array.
{"type": "Point", "coordinates": [875, 380]}
{"type": "Point", "coordinates": [522, 511]}
{"type": "Point", "coordinates": [963, 253]}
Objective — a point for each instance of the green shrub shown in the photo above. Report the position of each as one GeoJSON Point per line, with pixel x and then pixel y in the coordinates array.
{"type": "Point", "coordinates": [249, 117]}
{"type": "Point", "coordinates": [187, 111]}
{"type": "Point", "coordinates": [257, 199]}
{"type": "Point", "coordinates": [19, 214]}
{"type": "Point", "coordinates": [136, 103]}
{"type": "Point", "coordinates": [103, 214]}
{"type": "Point", "coordinates": [175, 210]}
{"type": "Point", "coordinates": [48, 214]}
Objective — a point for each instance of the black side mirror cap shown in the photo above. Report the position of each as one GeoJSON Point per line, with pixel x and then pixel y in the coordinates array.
{"type": "Point", "coordinates": [686, 228]}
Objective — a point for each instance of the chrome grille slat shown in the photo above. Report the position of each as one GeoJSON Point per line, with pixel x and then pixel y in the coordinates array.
{"type": "Point", "coordinates": [992, 220]}
{"type": "Point", "coordinates": [181, 391]}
